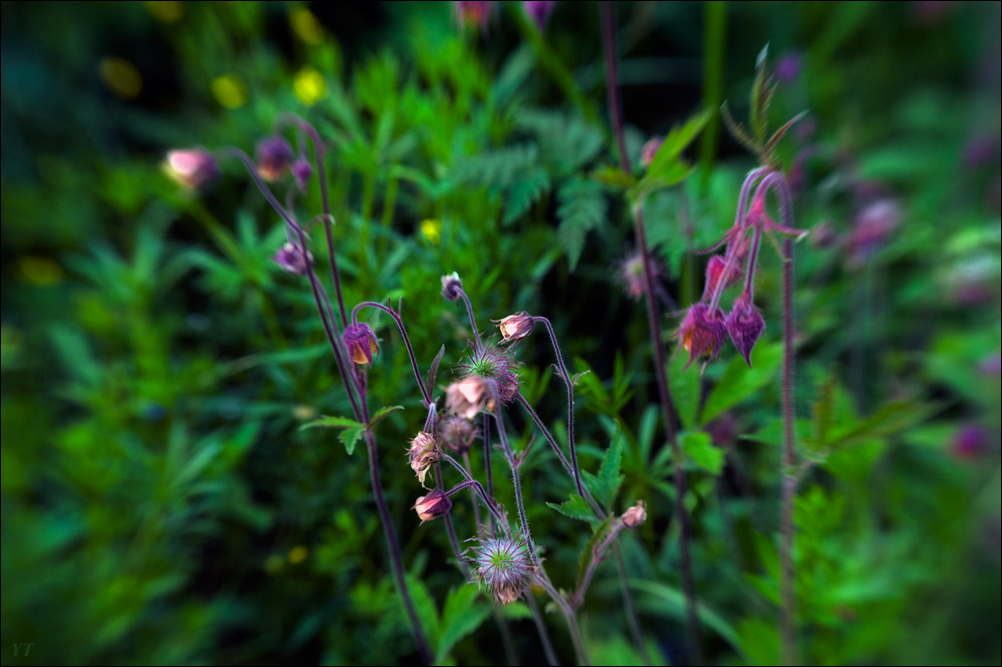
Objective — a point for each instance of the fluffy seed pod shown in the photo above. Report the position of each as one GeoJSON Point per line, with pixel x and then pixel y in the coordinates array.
{"type": "Point", "coordinates": [503, 565]}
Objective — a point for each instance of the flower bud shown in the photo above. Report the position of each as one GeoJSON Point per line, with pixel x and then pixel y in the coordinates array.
{"type": "Point", "coordinates": [432, 506]}
{"type": "Point", "coordinates": [273, 157]}
{"type": "Point", "coordinates": [971, 442]}
{"type": "Point", "coordinates": [715, 274]}
{"type": "Point", "coordinates": [361, 342]}
{"type": "Point", "coordinates": [703, 332]}
{"type": "Point", "coordinates": [516, 327]}
{"type": "Point", "coordinates": [452, 286]}
{"type": "Point", "coordinates": [192, 168]}
{"type": "Point", "coordinates": [474, 13]}
{"type": "Point", "coordinates": [635, 516]}
{"type": "Point", "coordinates": [302, 171]}
{"type": "Point", "coordinates": [503, 565]}
{"type": "Point", "coordinates": [649, 150]}
{"type": "Point", "coordinates": [423, 453]}
{"type": "Point", "coordinates": [291, 258]}
{"type": "Point", "coordinates": [457, 433]}
{"type": "Point", "coordinates": [539, 11]}
{"type": "Point", "coordinates": [745, 325]}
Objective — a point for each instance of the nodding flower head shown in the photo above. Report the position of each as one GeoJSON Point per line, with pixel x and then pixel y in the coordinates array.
{"type": "Point", "coordinates": [503, 565]}
{"type": "Point", "coordinates": [191, 167]}
{"type": "Point", "coordinates": [432, 506]}
{"type": "Point", "coordinates": [745, 325]}
{"type": "Point", "coordinates": [292, 258]}
{"type": "Point", "coordinates": [423, 452]}
{"type": "Point", "coordinates": [539, 11]}
{"type": "Point", "coordinates": [635, 516]}
{"type": "Point", "coordinates": [361, 342]}
{"type": "Point", "coordinates": [467, 397]}
{"type": "Point", "coordinates": [457, 433]}
{"type": "Point", "coordinates": [492, 365]}
{"type": "Point", "coordinates": [452, 286]}
{"type": "Point", "coordinates": [273, 157]}
{"type": "Point", "coordinates": [703, 332]}
{"type": "Point", "coordinates": [302, 171]}
{"type": "Point", "coordinates": [515, 327]}
{"type": "Point", "coordinates": [715, 274]}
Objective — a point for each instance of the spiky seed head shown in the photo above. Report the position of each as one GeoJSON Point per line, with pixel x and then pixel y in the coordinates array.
{"type": "Point", "coordinates": [457, 433]}
{"type": "Point", "coordinates": [492, 364]}
{"type": "Point", "coordinates": [503, 565]}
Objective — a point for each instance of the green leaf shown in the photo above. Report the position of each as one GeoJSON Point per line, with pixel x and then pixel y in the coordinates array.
{"type": "Point", "coordinates": [609, 479]}
{"type": "Point", "coordinates": [582, 207]}
{"type": "Point", "coordinates": [685, 389]}
{"type": "Point", "coordinates": [889, 418]}
{"type": "Point", "coordinates": [500, 167]}
{"type": "Point", "coordinates": [700, 450]}
{"type": "Point", "coordinates": [739, 381]}
{"type": "Point", "coordinates": [353, 430]}
{"type": "Point", "coordinates": [463, 613]}
{"type": "Point", "coordinates": [349, 437]}
{"type": "Point", "coordinates": [670, 603]}
{"type": "Point", "coordinates": [588, 554]}
{"type": "Point", "coordinates": [575, 508]}
{"type": "Point", "coordinates": [383, 413]}
{"type": "Point", "coordinates": [614, 177]}
{"type": "Point", "coordinates": [680, 136]}
{"type": "Point", "coordinates": [525, 192]}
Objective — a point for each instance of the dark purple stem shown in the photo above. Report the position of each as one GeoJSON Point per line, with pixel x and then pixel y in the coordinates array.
{"type": "Point", "coordinates": [487, 463]}
{"type": "Point", "coordinates": [407, 341]}
{"type": "Point", "coordinates": [653, 324]}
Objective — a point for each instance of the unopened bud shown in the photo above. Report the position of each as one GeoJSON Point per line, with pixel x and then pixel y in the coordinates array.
{"type": "Point", "coordinates": [292, 258]}
{"type": "Point", "coordinates": [649, 150]}
{"type": "Point", "coordinates": [361, 343]}
{"type": "Point", "coordinates": [516, 327]}
{"type": "Point", "coordinates": [635, 516]}
{"type": "Point", "coordinates": [432, 506]}
{"type": "Point", "coordinates": [302, 171]}
{"type": "Point", "coordinates": [192, 168]}
{"type": "Point", "coordinates": [273, 157]}
{"type": "Point", "coordinates": [452, 286]}
{"type": "Point", "coordinates": [745, 325]}
{"type": "Point", "coordinates": [703, 332]}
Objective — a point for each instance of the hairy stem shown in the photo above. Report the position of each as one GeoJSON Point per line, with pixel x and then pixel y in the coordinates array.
{"type": "Point", "coordinates": [653, 323]}
{"type": "Point", "coordinates": [788, 623]}
{"type": "Point", "coordinates": [425, 396]}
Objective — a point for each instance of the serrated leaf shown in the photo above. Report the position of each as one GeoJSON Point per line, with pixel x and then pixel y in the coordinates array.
{"type": "Point", "coordinates": [463, 613]}
{"type": "Point", "coordinates": [383, 413]}
{"type": "Point", "coordinates": [334, 422]}
{"type": "Point", "coordinates": [889, 418]}
{"type": "Point", "coordinates": [609, 479]}
{"type": "Point", "coordinates": [575, 508]}
{"type": "Point", "coordinates": [523, 193]}
{"type": "Point", "coordinates": [666, 158]}
{"type": "Point", "coordinates": [496, 168]}
{"type": "Point", "coordinates": [349, 437]}
{"type": "Point", "coordinates": [739, 381]}
{"type": "Point", "coordinates": [700, 450]}
{"type": "Point", "coordinates": [582, 208]}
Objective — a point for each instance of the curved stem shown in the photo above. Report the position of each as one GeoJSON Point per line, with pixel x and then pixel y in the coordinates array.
{"type": "Point", "coordinates": [565, 376]}
{"type": "Point", "coordinates": [426, 397]}
{"type": "Point", "coordinates": [473, 320]}
{"type": "Point", "coordinates": [478, 489]}
{"type": "Point", "coordinates": [476, 505]}
{"type": "Point", "coordinates": [653, 324]}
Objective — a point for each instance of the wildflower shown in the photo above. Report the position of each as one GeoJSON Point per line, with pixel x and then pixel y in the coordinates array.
{"type": "Point", "coordinates": [971, 442]}
{"type": "Point", "coordinates": [788, 68]}
{"type": "Point", "coordinates": [474, 13]}
{"type": "Point", "coordinates": [292, 258]}
{"type": "Point", "coordinates": [516, 327]}
{"type": "Point", "coordinates": [457, 433]}
{"type": "Point", "coordinates": [492, 364]}
{"type": "Point", "coordinates": [361, 342]}
{"type": "Point", "coordinates": [539, 11]}
{"type": "Point", "coordinates": [502, 564]}
{"type": "Point", "coordinates": [192, 167]}
{"type": "Point", "coordinates": [745, 325]}
{"type": "Point", "coordinates": [715, 274]}
{"type": "Point", "coordinates": [452, 286]}
{"type": "Point", "coordinates": [703, 332]}
{"type": "Point", "coordinates": [423, 452]}
{"type": "Point", "coordinates": [635, 516]}
{"type": "Point", "coordinates": [649, 150]}
{"type": "Point", "coordinates": [466, 398]}
{"type": "Point", "coordinates": [871, 230]}
{"type": "Point", "coordinates": [302, 171]}
{"type": "Point", "coordinates": [273, 157]}
{"type": "Point", "coordinates": [432, 506]}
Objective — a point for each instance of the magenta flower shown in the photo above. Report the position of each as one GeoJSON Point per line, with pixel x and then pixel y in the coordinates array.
{"type": "Point", "coordinates": [745, 325]}
{"type": "Point", "coordinates": [191, 167]}
{"type": "Point", "coordinates": [361, 342]}
{"type": "Point", "coordinates": [539, 11]}
{"type": "Point", "coordinates": [703, 332]}
{"type": "Point", "coordinates": [292, 258]}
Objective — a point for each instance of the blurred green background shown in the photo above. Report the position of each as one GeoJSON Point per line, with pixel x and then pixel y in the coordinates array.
{"type": "Point", "coordinates": [161, 505]}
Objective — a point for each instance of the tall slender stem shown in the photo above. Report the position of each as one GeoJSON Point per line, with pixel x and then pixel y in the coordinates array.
{"type": "Point", "coordinates": [566, 377]}
{"type": "Point", "coordinates": [788, 623]}
{"type": "Point", "coordinates": [487, 464]}
{"type": "Point", "coordinates": [653, 323]}
{"type": "Point", "coordinates": [476, 505]}
{"type": "Point", "coordinates": [426, 397]}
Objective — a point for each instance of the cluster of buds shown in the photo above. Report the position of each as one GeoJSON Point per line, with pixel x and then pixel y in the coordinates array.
{"type": "Point", "coordinates": [705, 328]}
{"type": "Point", "coordinates": [423, 453]}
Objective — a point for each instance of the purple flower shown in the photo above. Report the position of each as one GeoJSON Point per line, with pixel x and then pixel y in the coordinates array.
{"type": "Point", "coordinates": [788, 68]}
{"type": "Point", "coordinates": [745, 325]}
{"type": "Point", "coordinates": [515, 327]}
{"type": "Point", "coordinates": [702, 333]}
{"type": "Point", "coordinates": [191, 167]}
{"type": "Point", "coordinates": [361, 342]}
{"type": "Point", "coordinates": [291, 258]}
{"type": "Point", "coordinates": [539, 11]}
{"type": "Point", "coordinates": [302, 171]}
{"type": "Point", "coordinates": [273, 157]}
{"type": "Point", "coordinates": [971, 442]}
{"type": "Point", "coordinates": [452, 286]}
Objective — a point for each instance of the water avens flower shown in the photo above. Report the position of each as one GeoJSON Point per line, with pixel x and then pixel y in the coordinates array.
{"type": "Point", "coordinates": [452, 286]}
{"type": "Point", "coordinates": [503, 565]}
{"type": "Point", "coordinates": [302, 171]}
{"type": "Point", "coordinates": [423, 453]}
{"type": "Point", "coordinates": [457, 433]}
{"type": "Point", "coordinates": [432, 506]}
{"type": "Point", "coordinates": [745, 325]}
{"type": "Point", "coordinates": [467, 397]}
{"type": "Point", "coordinates": [191, 167]}
{"type": "Point", "coordinates": [273, 157]}
{"type": "Point", "coordinates": [361, 342]}
{"type": "Point", "coordinates": [635, 516]}
{"type": "Point", "coordinates": [515, 327]}
{"type": "Point", "coordinates": [292, 258]}
{"type": "Point", "coordinates": [703, 332]}
{"type": "Point", "coordinates": [492, 364]}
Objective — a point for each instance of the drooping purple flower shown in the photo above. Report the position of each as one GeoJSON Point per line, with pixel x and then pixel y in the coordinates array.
{"type": "Point", "coordinates": [539, 11]}
{"type": "Point", "coordinates": [273, 157]}
{"type": "Point", "coordinates": [452, 286]}
{"type": "Point", "coordinates": [191, 167]}
{"type": "Point", "coordinates": [702, 333]}
{"type": "Point", "coordinates": [971, 442]}
{"type": "Point", "coordinates": [302, 171]}
{"type": "Point", "coordinates": [745, 325]}
{"type": "Point", "coordinates": [515, 327]}
{"type": "Point", "coordinates": [361, 342]}
{"type": "Point", "coordinates": [432, 506]}
{"type": "Point", "coordinates": [291, 258]}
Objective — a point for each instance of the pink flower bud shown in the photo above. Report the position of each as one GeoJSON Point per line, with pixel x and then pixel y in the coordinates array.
{"type": "Point", "coordinates": [192, 168]}
{"type": "Point", "coordinates": [291, 258]}
{"type": "Point", "coordinates": [273, 157]}
{"type": "Point", "coordinates": [516, 327]}
{"type": "Point", "coordinates": [432, 506]}
{"type": "Point", "coordinates": [745, 325]}
{"type": "Point", "coordinates": [635, 516]}
{"type": "Point", "coordinates": [649, 150]}
{"type": "Point", "coordinates": [361, 342]}
{"type": "Point", "coordinates": [702, 333]}
{"type": "Point", "coordinates": [715, 274]}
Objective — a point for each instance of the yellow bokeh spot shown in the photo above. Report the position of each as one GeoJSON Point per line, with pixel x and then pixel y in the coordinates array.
{"type": "Point", "coordinates": [230, 91]}
{"type": "Point", "coordinates": [121, 77]}
{"type": "Point", "coordinates": [306, 26]}
{"type": "Point", "coordinates": [166, 11]}
{"type": "Point", "coordinates": [298, 554]}
{"type": "Point", "coordinates": [39, 270]}
{"type": "Point", "coordinates": [432, 230]}
{"type": "Point", "coordinates": [309, 86]}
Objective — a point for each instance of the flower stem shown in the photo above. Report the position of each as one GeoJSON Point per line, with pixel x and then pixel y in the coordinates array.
{"type": "Point", "coordinates": [788, 623]}
{"type": "Point", "coordinates": [425, 396]}
{"type": "Point", "coordinates": [544, 634]}
{"type": "Point", "coordinates": [653, 323]}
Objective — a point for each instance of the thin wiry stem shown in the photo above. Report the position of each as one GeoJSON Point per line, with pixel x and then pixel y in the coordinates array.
{"type": "Point", "coordinates": [425, 396]}
{"type": "Point", "coordinates": [653, 323]}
